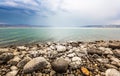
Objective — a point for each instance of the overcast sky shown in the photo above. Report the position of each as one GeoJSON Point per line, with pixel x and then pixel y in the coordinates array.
{"type": "Point", "coordinates": [60, 12]}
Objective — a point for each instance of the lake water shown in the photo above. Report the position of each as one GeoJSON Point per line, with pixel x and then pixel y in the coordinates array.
{"type": "Point", "coordinates": [30, 35]}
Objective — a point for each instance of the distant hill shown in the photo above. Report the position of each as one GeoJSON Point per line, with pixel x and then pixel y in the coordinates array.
{"type": "Point", "coordinates": [89, 26]}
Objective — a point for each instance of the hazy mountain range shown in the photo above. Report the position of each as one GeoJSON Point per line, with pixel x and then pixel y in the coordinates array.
{"type": "Point", "coordinates": [89, 26]}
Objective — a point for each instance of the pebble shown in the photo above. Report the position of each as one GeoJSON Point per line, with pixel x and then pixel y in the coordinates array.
{"type": "Point", "coordinates": [35, 64]}
{"type": "Point", "coordinates": [112, 72]}
{"type": "Point", "coordinates": [60, 65]}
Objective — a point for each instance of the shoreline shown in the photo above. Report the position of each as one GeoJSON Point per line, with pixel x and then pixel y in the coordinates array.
{"type": "Point", "coordinates": [93, 58]}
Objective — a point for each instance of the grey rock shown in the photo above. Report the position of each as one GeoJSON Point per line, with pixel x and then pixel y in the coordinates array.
{"type": "Point", "coordinates": [22, 63]}
{"type": "Point", "coordinates": [116, 52]}
{"type": "Point", "coordinates": [5, 57]}
{"type": "Point", "coordinates": [60, 65]}
{"type": "Point", "coordinates": [35, 64]}
{"type": "Point", "coordinates": [112, 72]}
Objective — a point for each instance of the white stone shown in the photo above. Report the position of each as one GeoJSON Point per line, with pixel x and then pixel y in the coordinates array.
{"type": "Point", "coordinates": [76, 59]}
{"type": "Point", "coordinates": [71, 55]}
{"type": "Point", "coordinates": [13, 68]}
{"type": "Point", "coordinates": [22, 48]}
{"type": "Point", "coordinates": [60, 48]}
{"type": "Point", "coordinates": [112, 72]}
{"type": "Point", "coordinates": [12, 73]}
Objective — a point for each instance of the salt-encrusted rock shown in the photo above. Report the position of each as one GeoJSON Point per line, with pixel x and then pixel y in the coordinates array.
{"type": "Point", "coordinates": [35, 64]}
{"type": "Point", "coordinates": [112, 72]}
{"type": "Point", "coordinates": [60, 65]}
{"type": "Point", "coordinates": [60, 48]}
{"type": "Point", "coordinates": [5, 57]}
{"type": "Point", "coordinates": [12, 73]}
{"type": "Point", "coordinates": [76, 62]}
{"type": "Point", "coordinates": [14, 61]}
{"type": "Point", "coordinates": [22, 63]}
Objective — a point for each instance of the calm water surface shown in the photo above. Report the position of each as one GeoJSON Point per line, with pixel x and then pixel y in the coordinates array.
{"type": "Point", "coordinates": [30, 35]}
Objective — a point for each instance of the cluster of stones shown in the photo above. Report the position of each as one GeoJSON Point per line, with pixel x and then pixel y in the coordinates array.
{"type": "Point", "coordinates": [98, 58]}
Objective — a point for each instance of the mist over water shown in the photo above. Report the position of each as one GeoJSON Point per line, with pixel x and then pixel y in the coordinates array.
{"type": "Point", "coordinates": [31, 35]}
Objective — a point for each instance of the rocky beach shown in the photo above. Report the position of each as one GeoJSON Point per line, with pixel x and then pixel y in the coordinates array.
{"type": "Point", "coordinates": [95, 58]}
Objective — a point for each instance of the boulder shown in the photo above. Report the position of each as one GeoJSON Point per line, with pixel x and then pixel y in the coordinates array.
{"type": "Point", "coordinates": [60, 65]}
{"type": "Point", "coordinates": [35, 64]}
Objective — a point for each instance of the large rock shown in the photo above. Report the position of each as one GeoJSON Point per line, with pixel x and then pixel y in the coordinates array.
{"type": "Point", "coordinates": [60, 48]}
{"type": "Point", "coordinates": [35, 64]}
{"type": "Point", "coordinates": [112, 72]}
{"type": "Point", "coordinates": [60, 65]}
{"type": "Point", "coordinates": [5, 57]}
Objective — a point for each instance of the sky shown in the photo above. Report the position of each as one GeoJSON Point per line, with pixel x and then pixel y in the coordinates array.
{"type": "Point", "coordinates": [60, 12]}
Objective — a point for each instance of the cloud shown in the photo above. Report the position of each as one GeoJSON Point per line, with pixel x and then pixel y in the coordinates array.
{"type": "Point", "coordinates": [68, 12]}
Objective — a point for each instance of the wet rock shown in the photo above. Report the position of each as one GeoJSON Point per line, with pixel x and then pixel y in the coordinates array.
{"type": "Point", "coordinates": [112, 72]}
{"type": "Point", "coordinates": [35, 64]}
{"type": "Point", "coordinates": [60, 65]}
{"type": "Point", "coordinates": [60, 48]}
{"type": "Point", "coordinates": [5, 57]}
{"type": "Point", "coordinates": [23, 62]}
{"type": "Point", "coordinates": [12, 73]}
